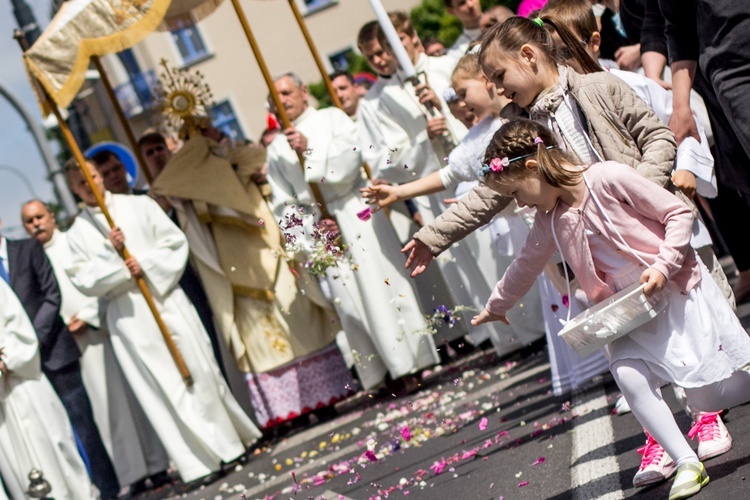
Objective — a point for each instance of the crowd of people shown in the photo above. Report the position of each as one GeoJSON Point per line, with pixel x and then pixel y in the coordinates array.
{"type": "Point", "coordinates": [569, 150]}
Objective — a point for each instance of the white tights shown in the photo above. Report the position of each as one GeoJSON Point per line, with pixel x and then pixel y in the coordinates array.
{"type": "Point", "coordinates": [641, 390]}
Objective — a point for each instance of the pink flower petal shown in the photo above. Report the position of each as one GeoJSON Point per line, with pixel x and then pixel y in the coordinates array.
{"type": "Point", "coordinates": [483, 423]}
{"type": "Point", "coordinates": [370, 455]}
{"type": "Point", "coordinates": [405, 433]}
{"type": "Point", "coordinates": [523, 483]}
{"type": "Point", "coordinates": [538, 461]}
{"type": "Point", "coordinates": [364, 215]}
{"type": "Point", "coordinates": [438, 467]}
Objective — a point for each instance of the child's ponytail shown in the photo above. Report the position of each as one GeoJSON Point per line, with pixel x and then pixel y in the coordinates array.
{"type": "Point", "coordinates": [575, 24]}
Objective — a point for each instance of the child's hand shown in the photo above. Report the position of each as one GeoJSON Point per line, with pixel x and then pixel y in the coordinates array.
{"type": "Point", "coordinates": [381, 195]}
{"type": "Point", "coordinates": [654, 280]}
{"type": "Point", "coordinates": [485, 317]}
{"type": "Point", "coordinates": [419, 257]}
{"type": "Point", "coordinates": [684, 180]}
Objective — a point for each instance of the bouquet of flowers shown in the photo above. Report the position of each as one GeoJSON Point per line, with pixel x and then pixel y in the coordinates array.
{"type": "Point", "coordinates": [323, 248]}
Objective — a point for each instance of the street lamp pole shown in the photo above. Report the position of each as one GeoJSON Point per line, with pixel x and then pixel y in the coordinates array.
{"type": "Point", "coordinates": [56, 174]}
{"type": "Point", "coordinates": [18, 173]}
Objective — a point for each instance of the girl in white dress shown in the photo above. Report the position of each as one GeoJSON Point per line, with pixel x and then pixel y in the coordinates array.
{"type": "Point", "coordinates": [615, 228]}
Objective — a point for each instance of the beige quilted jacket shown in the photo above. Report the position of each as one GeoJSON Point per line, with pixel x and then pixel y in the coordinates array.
{"type": "Point", "coordinates": [622, 128]}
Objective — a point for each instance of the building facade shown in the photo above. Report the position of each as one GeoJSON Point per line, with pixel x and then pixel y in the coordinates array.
{"type": "Point", "coordinates": [217, 46]}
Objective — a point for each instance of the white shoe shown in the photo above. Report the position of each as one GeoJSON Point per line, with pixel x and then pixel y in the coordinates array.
{"type": "Point", "coordinates": [622, 406]}
{"type": "Point", "coordinates": [656, 464]}
{"type": "Point", "coordinates": [713, 436]}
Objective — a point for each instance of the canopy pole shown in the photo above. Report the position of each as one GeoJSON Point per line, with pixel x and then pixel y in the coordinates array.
{"type": "Point", "coordinates": [123, 119]}
{"type": "Point", "coordinates": [125, 254]}
{"type": "Point", "coordinates": [321, 68]}
{"type": "Point", "coordinates": [285, 122]}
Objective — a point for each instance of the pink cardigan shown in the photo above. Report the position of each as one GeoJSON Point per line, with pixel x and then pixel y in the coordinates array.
{"type": "Point", "coordinates": [654, 222]}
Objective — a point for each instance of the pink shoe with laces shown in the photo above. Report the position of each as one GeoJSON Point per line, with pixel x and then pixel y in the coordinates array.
{"type": "Point", "coordinates": [656, 464]}
{"type": "Point", "coordinates": [713, 436]}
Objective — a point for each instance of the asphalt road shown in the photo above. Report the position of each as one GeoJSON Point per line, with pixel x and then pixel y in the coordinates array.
{"type": "Point", "coordinates": [480, 428]}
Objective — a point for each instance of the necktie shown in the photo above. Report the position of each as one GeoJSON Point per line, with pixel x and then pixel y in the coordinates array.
{"type": "Point", "coordinates": [3, 272]}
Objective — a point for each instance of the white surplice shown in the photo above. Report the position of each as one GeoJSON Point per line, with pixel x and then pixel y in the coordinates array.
{"type": "Point", "coordinates": [379, 288]}
{"type": "Point", "coordinates": [126, 433]}
{"type": "Point", "coordinates": [35, 432]}
{"type": "Point", "coordinates": [461, 45]}
{"type": "Point", "coordinates": [201, 425]}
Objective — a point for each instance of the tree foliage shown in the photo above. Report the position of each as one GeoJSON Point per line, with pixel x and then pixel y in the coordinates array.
{"type": "Point", "coordinates": [431, 19]}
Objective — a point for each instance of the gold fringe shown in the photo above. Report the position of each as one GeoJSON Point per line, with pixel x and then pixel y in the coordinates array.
{"type": "Point", "coordinates": [88, 47]}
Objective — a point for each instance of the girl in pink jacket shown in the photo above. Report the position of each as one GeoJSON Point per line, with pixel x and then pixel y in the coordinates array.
{"type": "Point", "coordinates": [616, 228]}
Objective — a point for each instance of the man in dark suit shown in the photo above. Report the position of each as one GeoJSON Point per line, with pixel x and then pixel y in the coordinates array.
{"type": "Point", "coordinates": [24, 265]}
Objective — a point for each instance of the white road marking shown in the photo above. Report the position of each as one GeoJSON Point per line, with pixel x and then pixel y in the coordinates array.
{"type": "Point", "coordinates": [592, 477]}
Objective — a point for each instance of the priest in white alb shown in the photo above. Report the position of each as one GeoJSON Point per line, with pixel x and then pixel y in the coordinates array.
{"type": "Point", "coordinates": [35, 432]}
{"type": "Point", "coordinates": [202, 425]}
{"type": "Point", "coordinates": [130, 440]}
{"type": "Point", "coordinates": [377, 281]}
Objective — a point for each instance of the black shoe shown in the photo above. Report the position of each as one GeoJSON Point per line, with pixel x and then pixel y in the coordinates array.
{"type": "Point", "coordinates": [139, 487]}
{"type": "Point", "coordinates": [202, 481]}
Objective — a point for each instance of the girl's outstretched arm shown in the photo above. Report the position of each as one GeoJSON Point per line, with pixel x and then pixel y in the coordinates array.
{"type": "Point", "coordinates": [382, 195]}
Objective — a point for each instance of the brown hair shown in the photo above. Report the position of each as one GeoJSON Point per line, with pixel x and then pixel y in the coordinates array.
{"type": "Point", "coordinates": [510, 35]}
{"type": "Point", "coordinates": [574, 22]}
{"type": "Point", "coordinates": [401, 22]}
{"type": "Point", "coordinates": [152, 138]}
{"type": "Point", "coordinates": [368, 33]}
{"type": "Point", "coordinates": [516, 139]}
{"type": "Point", "coordinates": [467, 67]}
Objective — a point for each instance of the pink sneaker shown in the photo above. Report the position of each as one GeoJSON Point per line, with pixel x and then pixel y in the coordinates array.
{"type": "Point", "coordinates": [656, 464]}
{"type": "Point", "coordinates": [713, 436]}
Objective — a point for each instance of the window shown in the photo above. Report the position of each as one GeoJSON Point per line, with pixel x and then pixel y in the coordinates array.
{"type": "Point", "coordinates": [340, 60]}
{"type": "Point", "coordinates": [310, 6]}
{"type": "Point", "coordinates": [190, 44]}
{"type": "Point", "coordinates": [223, 118]}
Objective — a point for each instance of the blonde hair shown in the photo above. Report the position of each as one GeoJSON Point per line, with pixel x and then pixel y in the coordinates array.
{"type": "Point", "coordinates": [467, 67]}
{"type": "Point", "coordinates": [574, 22]}
{"type": "Point", "coordinates": [516, 140]}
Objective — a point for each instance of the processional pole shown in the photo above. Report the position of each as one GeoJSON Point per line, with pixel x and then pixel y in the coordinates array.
{"type": "Point", "coordinates": [321, 68]}
{"type": "Point", "coordinates": [123, 119]}
{"type": "Point", "coordinates": [50, 104]}
{"type": "Point", "coordinates": [285, 122]}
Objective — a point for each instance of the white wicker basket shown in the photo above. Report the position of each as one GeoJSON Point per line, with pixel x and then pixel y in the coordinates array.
{"type": "Point", "coordinates": [611, 319]}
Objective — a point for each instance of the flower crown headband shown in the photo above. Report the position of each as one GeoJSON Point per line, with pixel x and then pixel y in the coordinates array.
{"type": "Point", "coordinates": [498, 164]}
